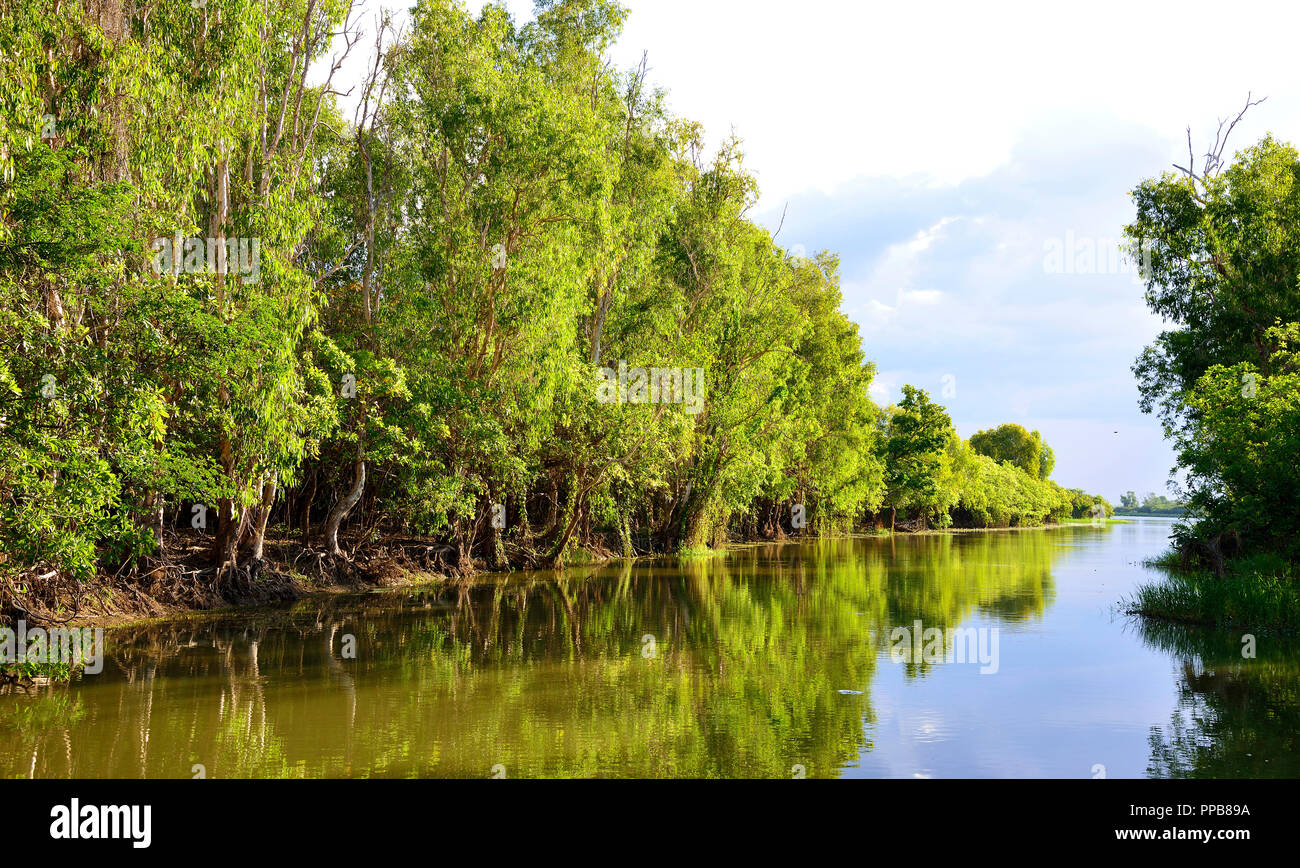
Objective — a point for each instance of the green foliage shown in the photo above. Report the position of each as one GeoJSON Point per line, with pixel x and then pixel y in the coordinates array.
{"type": "Point", "coordinates": [1013, 444]}
{"type": "Point", "coordinates": [1084, 505]}
{"type": "Point", "coordinates": [1223, 255]}
{"type": "Point", "coordinates": [443, 285]}
{"type": "Point", "coordinates": [916, 456]}
{"type": "Point", "coordinates": [1240, 455]}
{"type": "Point", "coordinates": [996, 494]}
{"type": "Point", "coordinates": [1257, 592]}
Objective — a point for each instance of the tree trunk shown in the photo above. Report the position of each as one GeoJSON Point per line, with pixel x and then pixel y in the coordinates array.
{"type": "Point", "coordinates": [261, 516]}
{"type": "Point", "coordinates": [691, 527]}
{"type": "Point", "coordinates": [306, 510]}
{"type": "Point", "coordinates": [496, 552]}
{"type": "Point", "coordinates": [553, 514]}
{"type": "Point", "coordinates": [225, 544]}
{"type": "Point", "coordinates": [233, 526]}
{"type": "Point", "coordinates": [227, 541]}
{"type": "Point", "coordinates": [344, 506]}
{"type": "Point", "coordinates": [572, 514]}
{"type": "Point", "coordinates": [693, 530]}
{"type": "Point", "coordinates": [525, 529]}
{"type": "Point", "coordinates": [625, 534]}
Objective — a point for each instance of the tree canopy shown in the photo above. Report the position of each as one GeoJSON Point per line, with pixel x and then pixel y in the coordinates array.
{"type": "Point", "coordinates": [1223, 246]}
{"type": "Point", "coordinates": [511, 309]}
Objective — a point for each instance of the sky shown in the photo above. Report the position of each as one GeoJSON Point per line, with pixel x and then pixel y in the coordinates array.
{"type": "Point", "coordinates": [963, 158]}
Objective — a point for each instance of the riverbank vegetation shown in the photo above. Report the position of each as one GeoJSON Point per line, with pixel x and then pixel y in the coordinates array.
{"type": "Point", "coordinates": [1257, 592]}
{"type": "Point", "coordinates": [1222, 263]}
{"type": "Point", "coordinates": [503, 312]}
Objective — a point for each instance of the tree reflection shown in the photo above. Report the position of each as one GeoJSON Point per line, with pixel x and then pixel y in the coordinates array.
{"type": "Point", "coordinates": [1236, 717]}
{"type": "Point", "coordinates": [727, 666]}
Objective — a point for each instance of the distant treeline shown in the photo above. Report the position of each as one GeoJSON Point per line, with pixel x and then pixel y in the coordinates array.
{"type": "Point", "coordinates": [508, 306]}
{"type": "Point", "coordinates": [1152, 504]}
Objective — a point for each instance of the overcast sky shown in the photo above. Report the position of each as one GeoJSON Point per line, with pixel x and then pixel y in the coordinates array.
{"type": "Point", "coordinates": [947, 149]}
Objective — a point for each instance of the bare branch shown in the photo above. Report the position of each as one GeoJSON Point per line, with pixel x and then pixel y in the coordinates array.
{"type": "Point", "coordinates": [1214, 157]}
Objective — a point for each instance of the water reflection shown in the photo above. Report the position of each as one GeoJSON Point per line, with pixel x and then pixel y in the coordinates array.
{"type": "Point", "coordinates": [1237, 716]}
{"type": "Point", "coordinates": [755, 664]}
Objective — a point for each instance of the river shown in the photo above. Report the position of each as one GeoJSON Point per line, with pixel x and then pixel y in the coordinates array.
{"type": "Point", "coordinates": [797, 660]}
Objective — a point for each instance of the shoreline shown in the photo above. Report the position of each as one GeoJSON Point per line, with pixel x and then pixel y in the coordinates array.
{"type": "Point", "coordinates": [407, 577]}
{"type": "Point", "coordinates": [387, 576]}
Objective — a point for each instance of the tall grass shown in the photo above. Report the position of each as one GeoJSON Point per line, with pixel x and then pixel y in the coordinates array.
{"type": "Point", "coordinates": [1258, 593]}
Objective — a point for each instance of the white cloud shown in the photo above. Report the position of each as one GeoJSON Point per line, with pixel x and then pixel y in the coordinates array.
{"type": "Point", "coordinates": [921, 297]}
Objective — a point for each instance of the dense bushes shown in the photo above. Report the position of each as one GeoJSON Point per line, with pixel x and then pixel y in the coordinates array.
{"type": "Point", "coordinates": [996, 494]}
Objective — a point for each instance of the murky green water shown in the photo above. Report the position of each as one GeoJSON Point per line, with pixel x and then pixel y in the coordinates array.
{"type": "Point", "coordinates": [765, 662]}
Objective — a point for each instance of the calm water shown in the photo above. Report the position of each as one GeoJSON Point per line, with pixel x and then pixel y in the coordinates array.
{"type": "Point", "coordinates": [766, 662]}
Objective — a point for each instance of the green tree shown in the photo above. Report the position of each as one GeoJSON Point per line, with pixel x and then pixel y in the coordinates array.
{"type": "Point", "coordinates": [1221, 252]}
{"type": "Point", "coordinates": [916, 457]}
{"type": "Point", "coordinates": [1012, 443]}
